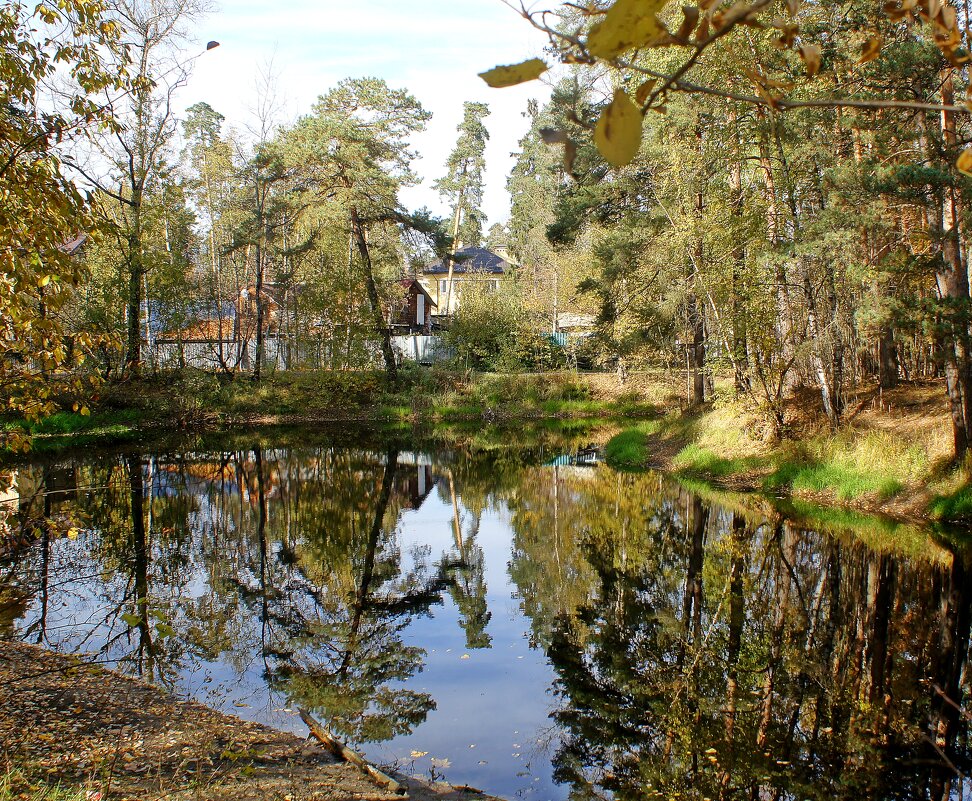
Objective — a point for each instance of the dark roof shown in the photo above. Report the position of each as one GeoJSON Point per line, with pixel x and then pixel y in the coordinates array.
{"type": "Point", "coordinates": [470, 260]}
{"type": "Point", "coordinates": [408, 283]}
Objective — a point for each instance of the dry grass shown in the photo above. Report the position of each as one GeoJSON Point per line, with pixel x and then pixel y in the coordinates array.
{"type": "Point", "coordinates": [891, 454]}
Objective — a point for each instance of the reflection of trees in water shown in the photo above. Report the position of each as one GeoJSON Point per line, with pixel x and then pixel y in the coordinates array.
{"type": "Point", "coordinates": [287, 560]}
{"type": "Point", "coordinates": [468, 573]}
{"type": "Point", "coordinates": [726, 657]}
{"type": "Point", "coordinates": [305, 564]}
{"type": "Point", "coordinates": [698, 650]}
{"type": "Point", "coordinates": [135, 545]}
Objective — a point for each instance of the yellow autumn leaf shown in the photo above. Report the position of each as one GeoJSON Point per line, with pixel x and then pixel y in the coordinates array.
{"type": "Point", "coordinates": [811, 55]}
{"type": "Point", "coordinates": [512, 74]}
{"type": "Point", "coordinates": [72, 533]}
{"type": "Point", "coordinates": [964, 163]}
{"type": "Point", "coordinates": [628, 24]}
{"type": "Point", "coordinates": [644, 90]}
{"type": "Point", "coordinates": [618, 131]}
{"type": "Point", "coordinates": [870, 50]}
{"type": "Point", "coordinates": [43, 281]}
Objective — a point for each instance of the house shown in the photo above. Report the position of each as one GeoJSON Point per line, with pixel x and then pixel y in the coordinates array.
{"type": "Point", "coordinates": [413, 313]}
{"type": "Point", "coordinates": [219, 335]}
{"type": "Point", "coordinates": [74, 246]}
{"type": "Point", "coordinates": [470, 265]}
{"type": "Point", "coordinates": [246, 309]}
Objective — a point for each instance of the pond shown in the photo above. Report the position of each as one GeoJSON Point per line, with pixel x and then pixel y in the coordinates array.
{"type": "Point", "coordinates": [520, 618]}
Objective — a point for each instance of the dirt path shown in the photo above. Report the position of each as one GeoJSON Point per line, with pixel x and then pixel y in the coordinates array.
{"type": "Point", "coordinates": [116, 737]}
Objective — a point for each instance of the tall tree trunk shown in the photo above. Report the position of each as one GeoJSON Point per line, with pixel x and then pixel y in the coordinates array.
{"type": "Point", "coordinates": [827, 393]}
{"type": "Point", "coordinates": [694, 309]}
{"type": "Point", "coordinates": [391, 368]}
{"type": "Point", "coordinates": [887, 358]}
{"type": "Point", "coordinates": [258, 356]}
{"type": "Point", "coordinates": [952, 283]}
{"type": "Point", "coordinates": [136, 270]}
{"type": "Point", "coordinates": [740, 358]}
{"type": "Point", "coordinates": [455, 246]}
{"type": "Point", "coordinates": [784, 307]}
{"type": "Point", "coordinates": [696, 344]}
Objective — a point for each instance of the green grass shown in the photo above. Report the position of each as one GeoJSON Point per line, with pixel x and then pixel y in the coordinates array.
{"type": "Point", "coordinates": [702, 462]}
{"type": "Point", "coordinates": [64, 423]}
{"type": "Point", "coordinates": [14, 786]}
{"type": "Point", "coordinates": [715, 446]}
{"type": "Point", "coordinates": [954, 506]}
{"type": "Point", "coordinates": [846, 483]}
{"type": "Point", "coordinates": [630, 449]}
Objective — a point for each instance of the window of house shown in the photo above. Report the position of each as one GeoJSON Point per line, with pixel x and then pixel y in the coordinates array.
{"type": "Point", "coordinates": [443, 286]}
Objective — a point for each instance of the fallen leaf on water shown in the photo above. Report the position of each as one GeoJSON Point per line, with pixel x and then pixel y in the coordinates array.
{"type": "Point", "coordinates": [418, 754]}
{"type": "Point", "coordinates": [464, 656]}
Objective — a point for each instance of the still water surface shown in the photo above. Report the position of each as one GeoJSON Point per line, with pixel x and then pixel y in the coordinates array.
{"type": "Point", "coordinates": [519, 619]}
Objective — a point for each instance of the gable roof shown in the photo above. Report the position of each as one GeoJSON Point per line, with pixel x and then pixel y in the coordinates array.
{"type": "Point", "coordinates": [408, 283]}
{"type": "Point", "coordinates": [470, 260]}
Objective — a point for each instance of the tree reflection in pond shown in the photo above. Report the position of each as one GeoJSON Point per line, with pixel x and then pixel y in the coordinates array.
{"type": "Point", "coordinates": [694, 649]}
{"type": "Point", "coordinates": [720, 657]}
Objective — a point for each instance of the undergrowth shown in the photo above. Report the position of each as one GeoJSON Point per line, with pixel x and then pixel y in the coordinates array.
{"type": "Point", "coordinates": [15, 786]}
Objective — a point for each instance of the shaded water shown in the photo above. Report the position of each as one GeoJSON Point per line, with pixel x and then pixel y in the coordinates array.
{"type": "Point", "coordinates": [506, 618]}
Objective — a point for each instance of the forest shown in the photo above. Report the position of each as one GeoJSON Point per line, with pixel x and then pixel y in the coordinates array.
{"type": "Point", "coordinates": [773, 192]}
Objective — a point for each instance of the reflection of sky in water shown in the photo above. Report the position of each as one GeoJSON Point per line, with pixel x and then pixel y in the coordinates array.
{"type": "Point", "coordinates": [490, 725]}
{"type": "Point", "coordinates": [492, 707]}
{"type": "Point", "coordinates": [664, 570]}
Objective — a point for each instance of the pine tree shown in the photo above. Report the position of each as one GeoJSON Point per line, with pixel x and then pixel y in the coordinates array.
{"type": "Point", "coordinates": [462, 185]}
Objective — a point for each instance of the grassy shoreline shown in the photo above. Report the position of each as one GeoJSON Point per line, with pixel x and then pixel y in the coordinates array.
{"type": "Point", "coordinates": [191, 401]}
{"type": "Point", "coordinates": [890, 457]}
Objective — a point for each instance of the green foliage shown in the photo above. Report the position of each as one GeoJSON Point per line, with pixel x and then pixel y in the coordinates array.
{"type": "Point", "coordinates": [953, 507]}
{"type": "Point", "coordinates": [492, 331]}
{"type": "Point", "coordinates": [70, 42]}
{"type": "Point", "coordinates": [462, 185]}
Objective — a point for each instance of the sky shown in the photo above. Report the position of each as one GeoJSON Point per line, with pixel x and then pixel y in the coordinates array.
{"type": "Point", "coordinates": [432, 48]}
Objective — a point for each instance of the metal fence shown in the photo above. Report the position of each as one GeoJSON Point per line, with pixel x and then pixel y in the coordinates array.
{"type": "Point", "coordinates": [421, 349]}
{"type": "Point", "coordinates": [281, 354]}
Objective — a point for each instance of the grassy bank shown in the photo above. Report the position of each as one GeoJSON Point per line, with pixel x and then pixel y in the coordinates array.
{"type": "Point", "coordinates": [891, 456]}
{"type": "Point", "coordinates": [192, 401]}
